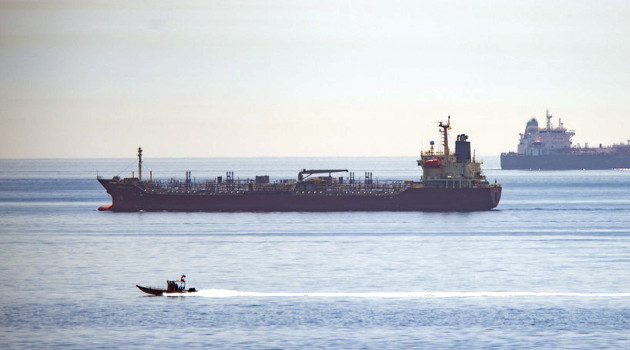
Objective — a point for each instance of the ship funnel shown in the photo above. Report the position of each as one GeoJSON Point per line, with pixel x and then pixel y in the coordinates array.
{"type": "Point", "coordinates": [462, 148]}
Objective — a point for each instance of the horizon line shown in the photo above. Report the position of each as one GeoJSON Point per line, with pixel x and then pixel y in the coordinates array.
{"type": "Point", "coordinates": [218, 157]}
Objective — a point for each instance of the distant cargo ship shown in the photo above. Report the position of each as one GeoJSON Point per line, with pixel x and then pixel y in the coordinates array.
{"type": "Point", "coordinates": [550, 148]}
{"type": "Point", "coordinates": [450, 182]}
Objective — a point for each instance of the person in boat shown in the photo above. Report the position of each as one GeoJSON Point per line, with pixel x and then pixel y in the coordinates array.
{"type": "Point", "coordinates": [182, 282]}
{"type": "Point", "coordinates": [171, 286]}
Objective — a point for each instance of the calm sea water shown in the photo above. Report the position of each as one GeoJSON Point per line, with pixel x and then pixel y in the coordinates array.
{"type": "Point", "coordinates": [549, 268]}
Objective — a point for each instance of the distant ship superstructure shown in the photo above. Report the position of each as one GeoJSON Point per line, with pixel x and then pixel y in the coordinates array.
{"type": "Point", "coordinates": [450, 182]}
{"type": "Point", "coordinates": [537, 141]}
{"type": "Point", "coordinates": [551, 148]}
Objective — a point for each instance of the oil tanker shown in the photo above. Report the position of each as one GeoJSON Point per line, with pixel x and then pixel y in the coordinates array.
{"type": "Point", "coordinates": [551, 148]}
{"type": "Point", "coordinates": [450, 182]}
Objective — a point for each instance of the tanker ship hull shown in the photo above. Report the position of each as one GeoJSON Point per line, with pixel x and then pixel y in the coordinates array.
{"type": "Point", "coordinates": [128, 197]}
{"type": "Point", "coordinates": [511, 161]}
{"type": "Point", "coordinates": [551, 148]}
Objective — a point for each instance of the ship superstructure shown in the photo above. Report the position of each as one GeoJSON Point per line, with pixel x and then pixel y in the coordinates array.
{"type": "Point", "coordinates": [537, 141]}
{"type": "Point", "coordinates": [450, 182]}
{"type": "Point", "coordinates": [551, 148]}
{"type": "Point", "coordinates": [446, 169]}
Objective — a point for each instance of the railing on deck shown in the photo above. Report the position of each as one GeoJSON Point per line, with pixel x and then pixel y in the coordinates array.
{"type": "Point", "coordinates": [237, 186]}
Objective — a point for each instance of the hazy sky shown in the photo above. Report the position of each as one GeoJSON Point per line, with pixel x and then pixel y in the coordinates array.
{"type": "Point", "coordinates": [305, 78]}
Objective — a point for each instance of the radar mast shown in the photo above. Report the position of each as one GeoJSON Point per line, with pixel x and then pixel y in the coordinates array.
{"type": "Point", "coordinates": [444, 131]}
{"type": "Point", "coordinates": [140, 163]}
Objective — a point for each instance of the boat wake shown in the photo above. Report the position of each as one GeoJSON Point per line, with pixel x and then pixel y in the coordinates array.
{"type": "Point", "coordinates": [224, 293]}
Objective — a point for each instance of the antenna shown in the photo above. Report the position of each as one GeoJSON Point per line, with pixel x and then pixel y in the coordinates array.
{"type": "Point", "coordinates": [140, 163]}
{"type": "Point", "coordinates": [444, 131]}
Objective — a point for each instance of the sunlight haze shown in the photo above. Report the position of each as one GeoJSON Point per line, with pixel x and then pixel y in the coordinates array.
{"type": "Point", "coordinates": [96, 79]}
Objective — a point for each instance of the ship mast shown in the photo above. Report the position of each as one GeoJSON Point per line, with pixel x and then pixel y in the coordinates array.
{"type": "Point", "coordinates": [139, 163]}
{"type": "Point", "coordinates": [444, 131]}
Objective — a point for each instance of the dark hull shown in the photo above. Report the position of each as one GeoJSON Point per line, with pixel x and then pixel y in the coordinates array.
{"type": "Point", "coordinates": [129, 197]}
{"type": "Point", "coordinates": [565, 162]}
{"type": "Point", "coordinates": [154, 291]}
{"type": "Point", "coordinates": [158, 291]}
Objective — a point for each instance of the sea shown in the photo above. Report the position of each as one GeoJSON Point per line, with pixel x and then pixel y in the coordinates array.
{"type": "Point", "coordinates": [549, 268]}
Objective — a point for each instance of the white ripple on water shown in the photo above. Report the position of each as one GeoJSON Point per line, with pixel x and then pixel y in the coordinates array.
{"type": "Point", "coordinates": [224, 293]}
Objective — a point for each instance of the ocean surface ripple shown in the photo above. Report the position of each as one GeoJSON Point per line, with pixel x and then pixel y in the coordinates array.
{"type": "Point", "coordinates": [549, 268]}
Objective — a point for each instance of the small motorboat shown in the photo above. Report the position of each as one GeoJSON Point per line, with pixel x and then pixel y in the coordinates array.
{"type": "Point", "coordinates": [172, 287]}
